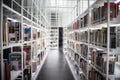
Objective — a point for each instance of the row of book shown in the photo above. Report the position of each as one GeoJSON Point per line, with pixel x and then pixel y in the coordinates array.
{"type": "Point", "coordinates": [98, 59]}
{"type": "Point", "coordinates": [79, 36]}
{"type": "Point", "coordinates": [13, 60]}
{"type": "Point", "coordinates": [94, 75]}
{"type": "Point", "coordinates": [79, 64]}
{"type": "Point", "coordinates": [74, 57]}
{"type": "Point", "coordinates": [71, 52]}
{"type": "Point", "coordinates": [54, 31]}
{"type": "Point", "coordinates": [12, 31]}
{"type": "Point", "coordinates": [82, 77]}
{"type": "Point", "coordinates": [83, 66]}
{"type": "Point", "coordinates": [81, 49]}
{"type": "Point", "coordinates": [97, 37]}
{"type": "Point", "coordinates": [37, 61]}
{"type": "Point", "coordinates": [80, 23]}
{"type": "Point", "coordinates": [72, 44]}
{"type": "Point", "coordinates": [98, 15]}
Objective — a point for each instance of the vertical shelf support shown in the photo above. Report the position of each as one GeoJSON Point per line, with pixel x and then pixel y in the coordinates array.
{"type": "Point", "coordinates": [108, 38]}
{"type": "Point", "coordinates": [1, 39]}
{"type": "Point", "coordinates": [88, 39]}
{"type": "Point", "coordinates": [22, 38]}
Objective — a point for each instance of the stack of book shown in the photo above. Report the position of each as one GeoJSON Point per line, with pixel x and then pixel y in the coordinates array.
{"type": "Point", "coordinates": [94, 75]}
{"type": "Point", "coordinates": [99, 60]}
{"type": "Point", "coordinates": [99, 14]}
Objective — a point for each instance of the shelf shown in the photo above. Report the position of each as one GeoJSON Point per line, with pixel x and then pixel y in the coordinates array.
{"type": "Point", "coordinates": [78, 54]}
{"type": "Point", "coordinates": [111, 52]}
{"type": "Point", "coordinates": [5, 6]}
{"type": "Point", "coordinates": [15, 74]}
{"type": "Point", "coordinates": [98, 70]}
{"type": "Point", "coordinates": [39, 67]}
{"type": "Point", "coordinates": [72, 68]}
{"type": "Point", "coordinates": [98, 26]}
{"type": "Point", "coordinates": [83, 58]}
{"type": "Point", "coordinates": [21, 14]}
{"type": "Point", "coordinates": [27, 42]}
{"type": "Point", "coordinates": [79, 42]}
{"type": "Point", "coordinates": [27, 19]}
{"type": "Point", "coordinates": [12, 45]}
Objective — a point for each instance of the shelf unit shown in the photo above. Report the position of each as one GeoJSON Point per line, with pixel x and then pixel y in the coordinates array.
{"type": "Point", "coordinates": [0, 37]}
{"type": "Point", "coordinates": [65, 39]}
{"type": "Point", "coordinates": [54, 37]}
{"type": "Point", "coordinates": [93, 41]}
{"type": "Point", "coordinates": [23, 30]}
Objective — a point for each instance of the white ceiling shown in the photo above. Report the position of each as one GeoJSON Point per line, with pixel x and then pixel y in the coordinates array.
{"type": "Point", "coordinates": [65, 10]}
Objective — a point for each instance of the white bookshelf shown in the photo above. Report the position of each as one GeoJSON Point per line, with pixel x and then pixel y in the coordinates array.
{"type": "Point", "coordinates": [24, 13]}
{"type": "Point", "coordinates": [80, 35]}
{"type": "Point", "coordinates": [54, 37]}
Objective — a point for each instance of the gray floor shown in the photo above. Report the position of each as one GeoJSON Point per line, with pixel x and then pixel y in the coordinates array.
{"type": "Point", "coordinates": [55, 67]}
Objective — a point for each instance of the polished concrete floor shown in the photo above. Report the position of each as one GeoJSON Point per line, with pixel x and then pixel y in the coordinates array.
{"type": "Point", "coordinates": [55, 67]}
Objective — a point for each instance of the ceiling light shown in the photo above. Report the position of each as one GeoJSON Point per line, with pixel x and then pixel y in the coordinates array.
{"type": "Point", "coordinates": [117, 1]}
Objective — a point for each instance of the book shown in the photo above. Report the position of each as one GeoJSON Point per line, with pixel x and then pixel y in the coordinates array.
{"type": "Point", "coordinates": [16, 49]}
{"type": "Point", "coordinates": [15, 61]}
{"type": "Point", "coordinates": [27, 33]}
{"type": "Point", "coordinates": [82, 22]}
{"type": "Point", "coordinates": [34, 33]}
{"type": "Point", "coordinates": [112, 37]}
{"type": "Point", "coordinates": [78, 24]}
{"type": "Point", "coordinates": [75, 25]}
{"type": "Point", "coordinates": [84, 50]}
{"type": "Point", "coordinates": [34, 66]}
{"type": "Point", "coordinates": [114, 9]}
{"type": "Point", "coordinates": [6, 70]}
{"type": "Point", "coordinates": [94, 75]}
{"type": "Point", "coordinates": [83, 66]}
{"type": "Point", "coordinates": [27, 74]}
{"type": "Point", "coordinates": [111, 67]}
{"type": "Point", "coordinates": [6, 53]}
{"type": "Point", "coordinates": [11, 31]}
{"type": "Point", "coordinates": [102, 16]}
{"type": "Point", "coordinates": [76, 57]}
{"type": "Point", "coordinates": [39, 35]}
{"type": "Point", "coordinates": [118, 36]}
{"type": "Point", "coordinates": [85, 20]}
{"type": "Point", "coordinates": [5, 41]}
{"type": "Point", "coordinates": [27, 53]}
{"type": "Point", "coordinates": [98, 59]}
{"type": "Point", "coordinates": [18, 31]}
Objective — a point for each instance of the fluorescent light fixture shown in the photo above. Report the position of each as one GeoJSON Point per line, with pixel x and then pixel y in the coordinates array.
{"type": "Point", "coordinates": [117, 1]}
{"type": "Point", "coordinates": [12, 20]}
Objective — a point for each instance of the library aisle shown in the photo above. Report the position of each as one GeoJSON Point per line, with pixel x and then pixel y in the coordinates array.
{"type": "Point", "coordinates": [32, 31]}
{"type": "Point", "coordinates": [55, 67]}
